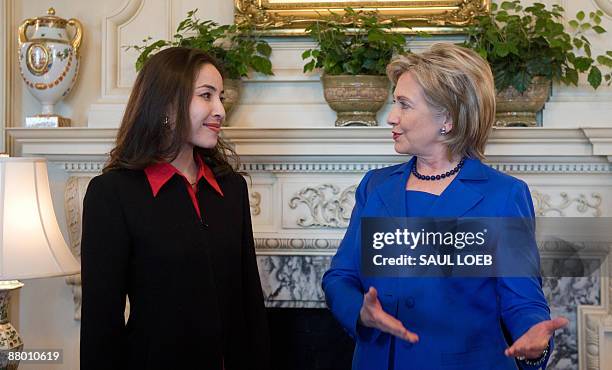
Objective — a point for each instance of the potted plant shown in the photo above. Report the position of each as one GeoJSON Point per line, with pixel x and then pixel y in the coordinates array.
{"type": "Point", "coordinates": [238, 48]}
{"type": "Point", "coordinates": [527, 48]}
{"type": "Point", "coordinates": [353, 50]}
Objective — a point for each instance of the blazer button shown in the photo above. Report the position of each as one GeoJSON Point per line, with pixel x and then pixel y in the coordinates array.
{"type": "Point", "coordinates": [409, 303]}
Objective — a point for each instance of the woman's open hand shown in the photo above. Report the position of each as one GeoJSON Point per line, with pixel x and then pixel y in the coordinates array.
{"type": "Point", "coordinates": [373, 316]}
{"type": "Point", "coordinates": [531, 344]}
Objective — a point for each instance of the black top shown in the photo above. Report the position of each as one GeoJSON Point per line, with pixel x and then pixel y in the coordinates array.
{"type": "Point", "coordinates": [193, 284]}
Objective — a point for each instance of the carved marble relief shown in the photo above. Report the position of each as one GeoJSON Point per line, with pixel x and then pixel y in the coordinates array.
{"type": "Point", "coordinates": [544, 205]}
{"type": "Point", "coordinates": [327, 205]}
{"type": "Point", "coordinates": [73, 196]}
{"type": "Point", "coordinates": [255, 203]}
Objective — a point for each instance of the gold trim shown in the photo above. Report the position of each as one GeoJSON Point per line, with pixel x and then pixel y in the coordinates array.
{"type": "Point", "coordinates": [51, 23]}
{"type": "Point", "coordinates": [38, 71]}
{"type": "Point", "coordinates": [46, 39]}
{"type": "Point", "coordinates": [287, 18]}
{"type": "Point", "coordinates": [23, 28]}
{"type": "Point", "coordinates": [57, 81]}
{"type": "Point", "coordinates": [78, 35]}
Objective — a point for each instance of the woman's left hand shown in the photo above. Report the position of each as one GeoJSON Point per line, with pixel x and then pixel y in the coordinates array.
{"type": "Point", "coordinates": [531, 345]}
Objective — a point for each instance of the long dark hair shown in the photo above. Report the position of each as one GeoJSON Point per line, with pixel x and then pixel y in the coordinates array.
{"type": "Point", "coordinates": [164, 88]}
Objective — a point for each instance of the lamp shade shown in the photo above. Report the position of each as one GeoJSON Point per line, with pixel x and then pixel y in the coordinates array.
{"type": "Point", "coordinates": [31, 243]}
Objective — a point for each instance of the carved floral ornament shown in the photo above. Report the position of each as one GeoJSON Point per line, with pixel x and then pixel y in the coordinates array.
{"type": "Point", "coordinates": [327, 205]}
{"type": "Point", "coordinates": [544, 206]}
{"type": "Point", "coordinates": [290, 17]}
{"type": "Point", "coordinates": [330, 207]}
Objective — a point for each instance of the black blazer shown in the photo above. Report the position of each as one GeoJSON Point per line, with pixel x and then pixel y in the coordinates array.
{"type": "Point", "coordinates": [193, 284]}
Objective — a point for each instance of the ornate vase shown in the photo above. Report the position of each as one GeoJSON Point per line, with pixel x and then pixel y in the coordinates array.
{"type": "Point", "coordinates": [519, 109]}
{"type": "Point", "coordinates": [232, 89]}
{"type": "Point", "coordinates": [356, 99]}
{"type": "Point", "coordinates": [10, 341]}
{"type": "Point", "coordinates": [49, 63]}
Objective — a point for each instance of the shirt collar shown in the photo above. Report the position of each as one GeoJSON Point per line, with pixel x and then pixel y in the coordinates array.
{"type": "Point", "coordinates": [158, 174]}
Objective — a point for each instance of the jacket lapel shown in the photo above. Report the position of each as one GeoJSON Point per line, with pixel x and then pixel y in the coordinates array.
{"type": "Point", "coordinates": [459, 197]}
{"type": "Point", "coordinates": [392, 192]}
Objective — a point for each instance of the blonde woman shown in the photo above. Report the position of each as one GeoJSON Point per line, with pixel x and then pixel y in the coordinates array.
{"type": "Point", "coordinates": [444, 107]}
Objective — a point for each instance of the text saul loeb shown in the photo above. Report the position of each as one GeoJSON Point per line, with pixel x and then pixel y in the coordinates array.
{"type": "Point", "coordinates": [413, 239]}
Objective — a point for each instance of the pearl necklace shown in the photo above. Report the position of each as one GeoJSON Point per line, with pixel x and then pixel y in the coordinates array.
{"type": "Point", "coordinates": [437, 177]}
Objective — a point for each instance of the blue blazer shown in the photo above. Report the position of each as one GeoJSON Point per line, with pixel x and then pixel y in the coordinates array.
{"type": "Point", "coordinates": [462, 323]}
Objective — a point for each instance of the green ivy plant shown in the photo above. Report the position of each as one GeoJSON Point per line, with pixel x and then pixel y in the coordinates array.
{"type": "Point", "coordinates": [523, 42]}
{"type": "Point", "coordinates": [238, 48]}
{"type": "Point", "coordinates": [353, 43]}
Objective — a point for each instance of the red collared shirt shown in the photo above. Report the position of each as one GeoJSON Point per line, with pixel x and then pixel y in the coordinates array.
{"type": "Point", "coordinates": [158, 175]}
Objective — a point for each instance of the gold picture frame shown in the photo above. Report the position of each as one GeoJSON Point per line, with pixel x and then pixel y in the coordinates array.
{"type": "Point", "coordinates": [291, 17]}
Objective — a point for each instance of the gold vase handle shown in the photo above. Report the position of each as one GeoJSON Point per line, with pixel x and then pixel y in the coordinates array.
{"type": "Point", "coordinates": [23, 28]}
{"type": "Point", "coordinates": [78, 36]}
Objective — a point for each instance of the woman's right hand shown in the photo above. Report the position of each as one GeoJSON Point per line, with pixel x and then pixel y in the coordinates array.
{"type": "Point", "coordinates": [372, 315]}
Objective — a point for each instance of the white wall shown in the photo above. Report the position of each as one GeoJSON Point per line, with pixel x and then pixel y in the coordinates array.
{"type": "Point", "coordinates": [91, 14]}
{"type": "Point", "coordinates": [3, 68]}
{"type": "Point", "coordinates": [276, 101]}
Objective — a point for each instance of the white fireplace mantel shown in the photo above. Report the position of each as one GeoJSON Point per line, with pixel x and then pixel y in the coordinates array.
{"type": "Point", "coordinates": [255, 144]}
{"type": "Point", "coordinates": [302, 184]}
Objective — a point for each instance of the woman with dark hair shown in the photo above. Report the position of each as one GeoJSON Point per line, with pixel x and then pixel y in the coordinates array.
{"type": "Point", "coordinates": [168, 225]}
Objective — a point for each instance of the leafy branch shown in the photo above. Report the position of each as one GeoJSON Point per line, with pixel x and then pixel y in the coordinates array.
{"type": "Point", "coordinates": [523, 42]}
{"type": "Point", "coordinates": [237, 47]}
{"type": "Point", "coordinates": [355, 42]}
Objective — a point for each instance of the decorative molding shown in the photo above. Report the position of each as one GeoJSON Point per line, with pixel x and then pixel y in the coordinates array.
{"type": "Point", "coordinates": [82, 167]}
{"type": "Point", "coordinates": [328, 246]}
{"type": "Point", "coordinates": [376, 141]}
{"type": "Point", "coordinates": [9, 84]}
{"type": "Point", "coordinates": [73, 201]}
{"type": "Point", "coordinates": [328, 206]}
{"type": "Point", "coordinates": [593, 324]}
{"type": "Point", "coordinates": [95, 167]}
{"type": "Point", "coordinates": [563, 249]}
{"type": "Point", "coordinates": [76, 186]}
{"type": "Point", "coordinates": [301, 246]}
{"type": "Point", "coordinates": [605, 340]}
{"type": "Point", "coordinates": [513, 167]}
{"type": "Point", "coordinates": [5, 96]}
{"type": "Point", "coordinates": [73, 205]}
{"type": "Point", "coordinates": [115, 85]}
{"type": "Point", "coordinates": [320, 144]}
{"type": "Point", "coordinates": [605, 6]}
{"type": "Point", "coordinates": [544, 207]}
{"type": "Point", "coordinates": [255, 203]}
{"type": "Point", "coordinates": [290, 18]}
{"type": "Point", "coordinates": [111, 49]}
{"type": "Point", "coordinates": [312, 167]}
{"type": "Point", "coordinates": [553, 168]}
{"type": "Point", "coordinates": [601, 139]}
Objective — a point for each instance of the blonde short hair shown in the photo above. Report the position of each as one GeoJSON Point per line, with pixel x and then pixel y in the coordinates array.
{"type": "Point", "coordinates": [458, 82]}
